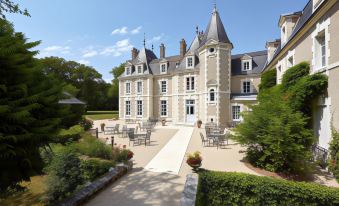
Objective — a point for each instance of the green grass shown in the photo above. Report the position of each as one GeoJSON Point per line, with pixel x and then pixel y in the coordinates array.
{"type": "Point", "coordinates": [98, 115]}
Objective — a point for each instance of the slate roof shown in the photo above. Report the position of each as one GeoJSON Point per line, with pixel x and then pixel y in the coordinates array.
{"type": "Point", "coordinates": [215, 30]}
{"type": "Point", "coordinates": [305, 16]}
{"type": "Point", "coordinates": [171, 64]}
{"type": "Point", "coordinates": [259, 60]}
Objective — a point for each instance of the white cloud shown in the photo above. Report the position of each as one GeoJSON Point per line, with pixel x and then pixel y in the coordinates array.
{"type": "Point", "coordinates": [136, 30]}
{"type": "Point", "coordinates": [119, 48]}
{"type": "Point", "coordinates": [54, 50]}
{"type": "Point", "coordinates": [156, 38]}
{"type": "Point", "coordinates": [122, 30]}
{"type": "Point", "coordinates": [88, 54]}
{"type": "Point", "coordinates": [86, 62]}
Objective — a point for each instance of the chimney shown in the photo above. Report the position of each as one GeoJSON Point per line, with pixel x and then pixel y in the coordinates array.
{"type": "Point", "coordinates": [183, 46]}
{"type": "Point", "coordinates": [134, 53]}
{"type": "Point", "coordinates": [162, 51]}
{"type": "Point", "coordinates": [271, 47]}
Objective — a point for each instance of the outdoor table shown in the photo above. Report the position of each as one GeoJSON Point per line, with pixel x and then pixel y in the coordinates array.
{"type": "Point", "coordinates": [216, 137]}
{"type": "Point", "coordinates": [141, 135]}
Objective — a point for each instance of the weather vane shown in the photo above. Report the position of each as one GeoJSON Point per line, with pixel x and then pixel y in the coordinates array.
{"type": "Point", "coordinates": [145, 40]}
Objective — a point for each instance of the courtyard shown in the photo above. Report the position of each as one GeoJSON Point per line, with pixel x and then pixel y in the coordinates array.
{"type": "Point", "coordinates": [160, 168]}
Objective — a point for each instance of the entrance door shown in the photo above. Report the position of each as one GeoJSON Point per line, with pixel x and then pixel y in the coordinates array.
{"type": "Point", "coordinates": [190, 113]}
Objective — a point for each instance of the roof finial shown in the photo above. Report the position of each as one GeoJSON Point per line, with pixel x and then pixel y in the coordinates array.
{"type": "Point", "coordinates": [197, 30]}
{"type": "Point", "coordinates": [145, 40]}
{"type": "Point", "coordinates": [215, 6]}
{"type": "Point", "coordinates": [152, 47]}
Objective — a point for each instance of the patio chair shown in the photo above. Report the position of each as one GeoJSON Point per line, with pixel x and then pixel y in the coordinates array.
{"type": "Point", "coordinates": [124, 131]}
{"type": "Point", "coordinates": [131, 137]}
{"type": "Point", "coordinates": [148, 136]}
{"type": "Point", "coordinates": [204, 140]}
{"type": "Point", "coordinates": [116, 129]}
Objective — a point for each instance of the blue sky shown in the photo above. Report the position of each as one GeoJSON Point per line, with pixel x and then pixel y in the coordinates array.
{"type": "Point", "coordinates": [101, 33]}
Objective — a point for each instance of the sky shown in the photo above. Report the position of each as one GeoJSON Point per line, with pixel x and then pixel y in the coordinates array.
{"type": "Point", "coordinates": [101, 33]}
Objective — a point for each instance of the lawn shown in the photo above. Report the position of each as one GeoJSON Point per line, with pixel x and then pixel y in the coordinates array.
{"type": "Point", "coordinates": [31, 196]}
{"type": "Point", "coordinates": [98, 115]}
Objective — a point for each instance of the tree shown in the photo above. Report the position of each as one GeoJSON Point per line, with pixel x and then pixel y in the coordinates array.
{"type": "Point", "coordinates": [80, 80]}
{"type": "Point", "coordinates": [30, 115]}
{"type": "Point", "coordinates": [268, 79]}
{"type": "Point", "coordinates": [7, 6]}
{"type": "Point", "coordinates": [276, 135]}
{"type": "Point", "coordinates": [114, 90]}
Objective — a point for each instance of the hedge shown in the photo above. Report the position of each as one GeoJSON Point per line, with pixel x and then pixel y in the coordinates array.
{"type": "Point", "coordinates": [223, 188]}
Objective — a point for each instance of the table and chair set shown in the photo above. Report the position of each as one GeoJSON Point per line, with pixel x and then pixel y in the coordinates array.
{"type": "Point", "coordinates": [215, 136]}
{"type": "Point", "coordinates": [141, 134]}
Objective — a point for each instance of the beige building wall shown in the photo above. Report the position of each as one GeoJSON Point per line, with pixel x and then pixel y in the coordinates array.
{"type": "Point", "coordinates": [236, 83]}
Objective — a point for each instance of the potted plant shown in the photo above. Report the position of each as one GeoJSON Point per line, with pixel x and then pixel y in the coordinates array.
{"type": "Point", "coordinates": [163, 122]}
{"type": "Point", "coordinates": [199, 123]}
{"type": "Point", "coordinates": [102, 125]}
{"type": "Point", "coordinates": [194, 160]}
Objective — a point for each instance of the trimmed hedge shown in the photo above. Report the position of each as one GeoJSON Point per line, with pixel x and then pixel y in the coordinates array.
{"type": "Point", "coordinates": [223, 188]}
{"type": "Point", "coordinates": [94, 168]}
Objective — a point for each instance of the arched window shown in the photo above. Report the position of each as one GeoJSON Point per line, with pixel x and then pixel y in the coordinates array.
{"type": "Point", "coordinates": [212, 95]}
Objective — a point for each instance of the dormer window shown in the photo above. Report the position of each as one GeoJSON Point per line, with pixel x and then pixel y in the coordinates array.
{"type": "Point", "coordinates": [190, 62]}
{"type": "Point", "coordinates": [247, 65]}
{"type": "Point", "coordinates": [139, 69]}
{"type": "Point", "coordinates": [163, 68]}
{"type": "Point", "coordinates": [128, 71]}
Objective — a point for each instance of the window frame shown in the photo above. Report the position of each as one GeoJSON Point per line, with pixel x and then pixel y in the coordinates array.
{"type": "Point", "coordinates": [236, 113]}
{"type": "Point", "coordinates": [161, 68]}
{"type": "Point", "coordinates": [190, 83]}
{"type": "Point", "coordinates": [128, 88]}
{"type": "Point", "coordinates": [163, 108]}
{"type": "Point", "coordinates": [127, 108]}
{"type": "Point", "coordinates": [190, 65]}
{"type": "Point", "coordinates": [244, 63]}
{"type": "Point", "coordinates": [141, 67]}
{"type": "Point", "coordinates": [141, 87]}
{"type": "Point", "coordinates": [247, 87]}
{"type": "Point", "coordinates": [161, 86]}
{"type": "Point", "coordinates": [209, 95]}
{"type": "Point", "coordinates": [139, 113]}
{"type": "Point", "coordinates": [128, 71]}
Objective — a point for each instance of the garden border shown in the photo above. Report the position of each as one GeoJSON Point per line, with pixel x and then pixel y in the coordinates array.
{"type": "Point", "coordinates": [190, 191]}
{"type": "Point", "coordinates": [89, 191]}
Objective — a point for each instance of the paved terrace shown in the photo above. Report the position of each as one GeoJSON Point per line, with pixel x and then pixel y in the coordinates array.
{"type": "Point", "coordinates": [160, 169]}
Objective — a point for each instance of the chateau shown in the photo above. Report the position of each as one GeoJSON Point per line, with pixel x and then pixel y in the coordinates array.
{"type": "Point", "coordinates": [207, 82]}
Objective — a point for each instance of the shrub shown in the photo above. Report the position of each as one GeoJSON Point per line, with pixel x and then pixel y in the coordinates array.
{"type": "Point", "coordinates": [123, 155]}
{"type": "Point", "coordinates": [276, 136]}
{"type": "Point", "coordinates": [222, 188]}
{"type": "Point", "coordinates": [64, 176]}
{"type": "Point", "coordinates": [268, 79]}
{"type": "Point", "coordinates": [334, 154]}
{"type": "Point", "coordinates": [94, 168]}
{"type": "Point", "coordinates": [86, 124]}
{"type": "Point", "coordinates": [69, 135]}
{"type": "Point", "coordinates": [294, 74]}
{"type": "Point", "coordinates": [92, 147]}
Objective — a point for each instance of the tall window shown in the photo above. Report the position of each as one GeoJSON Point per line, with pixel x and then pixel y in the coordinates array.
{"type": "Point", "coordinates": [163, 104]}
{"type": "Point", "coordinates": [128, 88]}
{"type": "Point", "coordinates": [189, 62]}
{"type": "Point", "coordinates": [190, 83]}
{"type": "Point", "coordinates": [290, 61]}
{"type": "Point", "coordinates": [139, 87]}
{"type": "Point", "coordinates": [321, 50]}
{"type": "Point", "coordinates": [246, 87]}
{"type": "Point", "coordinates": [139, 69]}
{"type": "Point", "coordinates": [163, 68]}
{"type": "Point", "coordinates": [212, 95]}
{"type": "Point", "coordinates": [139, 108]}
{"type": "Point", "coordinates": [236, 112]}
{"type": "Point", "coordinates": [163, 85]}
{"type": "Point", "coordinates": [128, 108]}
{"type": "Point", "coordinates": [128, 71]}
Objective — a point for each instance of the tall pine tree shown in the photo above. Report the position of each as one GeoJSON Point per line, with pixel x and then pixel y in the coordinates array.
{"type": "Point", "coordinates": [30, 115]}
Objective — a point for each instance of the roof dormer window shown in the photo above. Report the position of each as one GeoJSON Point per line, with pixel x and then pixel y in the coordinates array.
{"type": "Point", "coordinates": [128, 71]}
{"type": "Point", "coordinates": [139, 69]}
{"type": "Point", "coordinates": [246, 65]}
{"type": "Point", "coordinates": [163, 68]}
{"type": "Point", "coordinates": [190, 62]}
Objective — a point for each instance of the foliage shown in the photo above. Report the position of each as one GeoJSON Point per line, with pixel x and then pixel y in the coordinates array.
{"type": "Point", "coordinates": [30, 115]}
{"type": "Point", "coordinates": [64, 176]}
{"type": "Point", "coordinates": [268, 79]}
{"type": "Point", "coordinates": [230, 188]}
{"type": "Point", "coordinates": [122, 154]}
{"type": "Point", "coordinates": [194, 158]}
{"type": "Point", "coordinates": [334, 154]}
{"type": "Point", "coordinates": [114, 89]}
{"type": "Point", "coordinates": [276, 136]}
{"type": "Point", "coordinates": [70, 135]}
{"type": "Point", "coordinates": [80, 79]}
{"type": "Point", "coordinates": [92, 147]}
{"type": "Point", "coordinates": [94, 168]}
{"type": "Point", "coordinates": [294, 74]}
{"type": "Point", "coordinates": [8, 6]}
{"type": "Point", "coordinates": [86, 124]}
